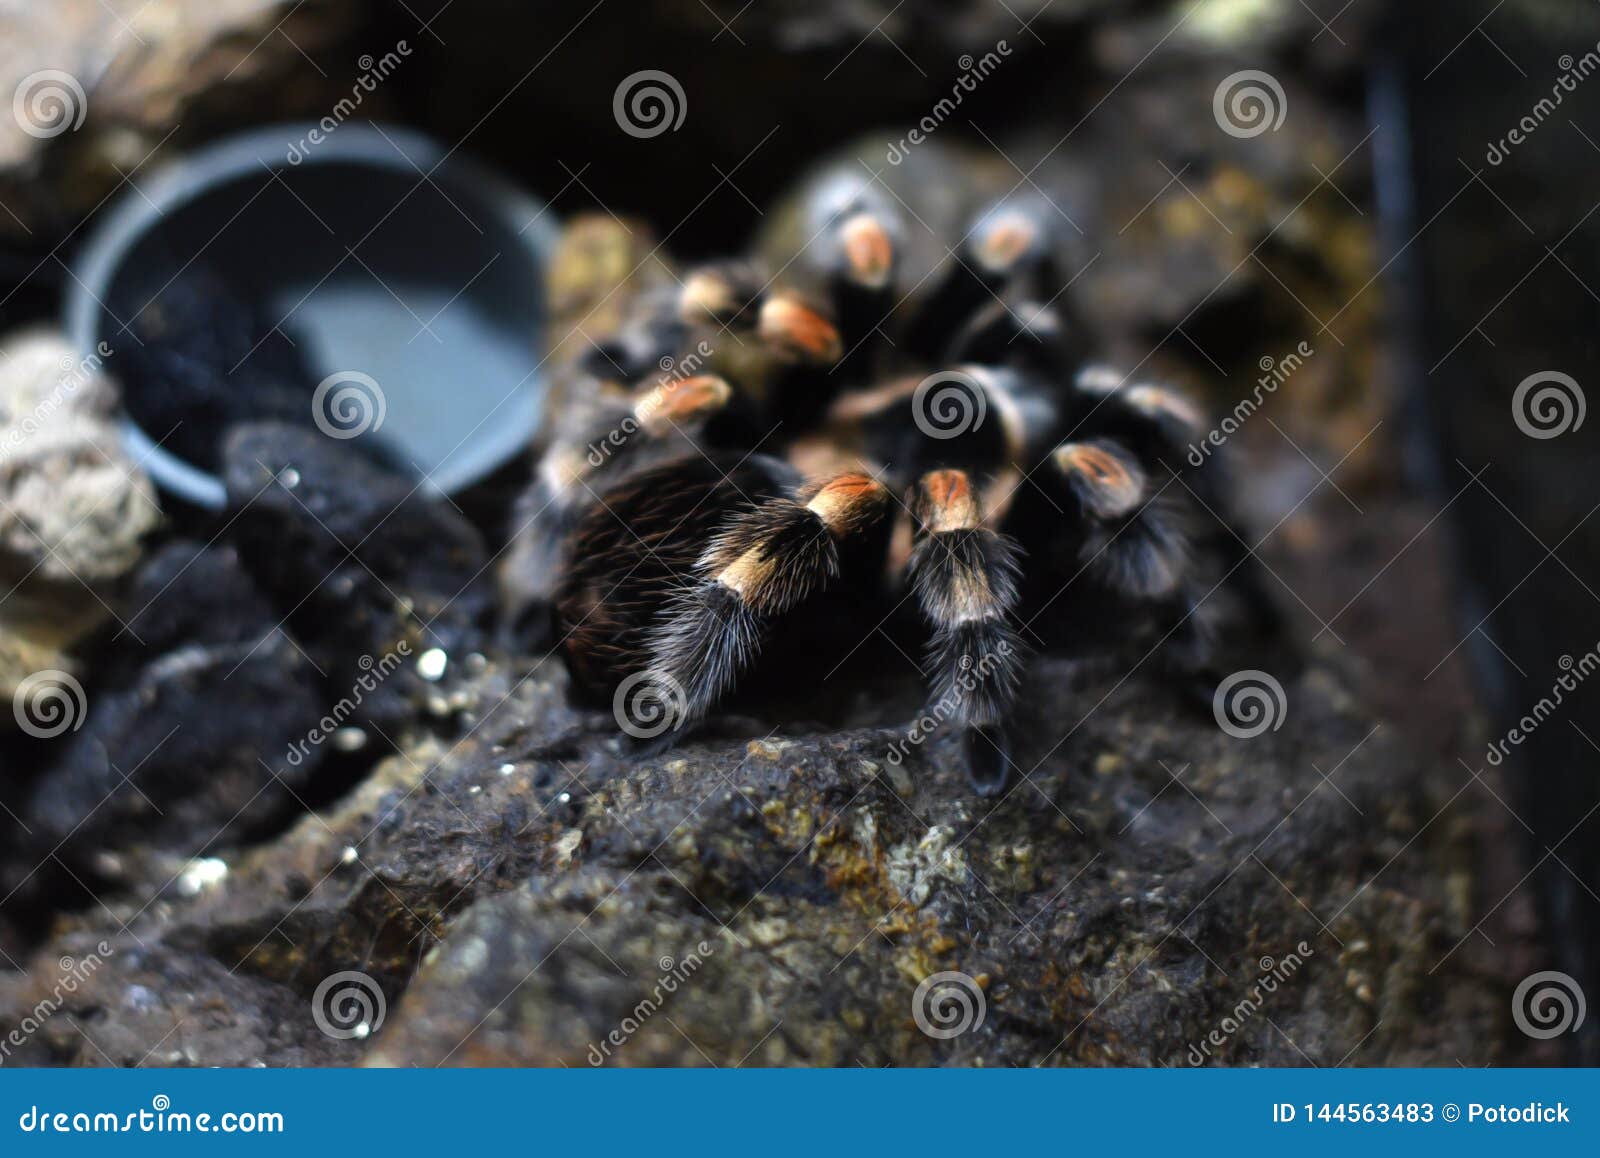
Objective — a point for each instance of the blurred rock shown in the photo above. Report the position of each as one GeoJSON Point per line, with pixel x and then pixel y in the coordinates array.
{"type": "Point", "coordinates": [200, 677]}
{"type": "Point", "coordinates": [73, 506]}
{"type": "Point", "coordinates": [74, 509]}
{"type": "Point", "coordinates": [43, 376]}
{"type": "Point", "coordinates": [186, 593]}
{"type": "Point", "coordinates": [601, 264]}
{"type": "Point", "coordinates": [359, 560]}
{"type": "Point", "coordinates": [202, 357]}
{"type": "Point", "coordinates": [102, 88]}
{"type": "Point", "coordinates": [21, 658]}
{"type": "Point", "coordinates": [172, 1011]}
{"type": "Point", "coordinates": [193, 755]}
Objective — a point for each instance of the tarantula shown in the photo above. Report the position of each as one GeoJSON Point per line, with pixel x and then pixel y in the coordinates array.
{"type": "Point", "coordinates": [865, 415]}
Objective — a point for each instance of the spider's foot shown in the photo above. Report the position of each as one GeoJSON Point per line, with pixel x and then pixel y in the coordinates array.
{"type": "Point", "coordinates": [651, 747]}
{"type": "Point", "coordinates": [988, 755]}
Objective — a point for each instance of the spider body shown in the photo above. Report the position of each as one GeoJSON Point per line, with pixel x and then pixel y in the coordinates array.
{"type": "Point", "coordinates": [853, 437]}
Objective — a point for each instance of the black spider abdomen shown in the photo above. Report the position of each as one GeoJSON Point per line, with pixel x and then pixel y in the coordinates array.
{"type": "Point", "coordinates": [639, 543]}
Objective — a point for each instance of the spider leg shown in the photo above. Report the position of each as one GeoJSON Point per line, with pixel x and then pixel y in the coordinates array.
{"type": "Point", "coordinates": [799, 329]}
{"type": "Point", "coordinates": [867, 239]}
{"type": "Point", "coordinates": [652, 328]}
{"type": "Point", "coordinates": [1026, 420]}
{"type": "Point", "coordinates": [800, 346]}
{"type": "Point", "coordinates": [965, 580]}
{"type": "Point", "coordinates": [1136, 545]}
{"type": "Point", "coordinates": [862, 285]}
{"type": "Point", "coordinates": [1024, 334]}
{"type": "Point", "coordinates": [576, 466]}
{"type": "Point", "coordinates": [758, 565]}
{"type": "Point", "coordinates": [843, 239]}
{"type": "Point", "coordinates": [722, 293]}
{"type": "Point", "coordinates": [1127, 539]}
{"type": "Point", "coordinates": [1006, 249]}
{"type": "Point", "coordinates": [1013, 243]}
{"type": "Point", "coordinates": [1165, 429]}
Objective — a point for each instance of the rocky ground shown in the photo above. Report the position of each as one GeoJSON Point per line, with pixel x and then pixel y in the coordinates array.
{"type": "Point", "coordinates": [518, 894]}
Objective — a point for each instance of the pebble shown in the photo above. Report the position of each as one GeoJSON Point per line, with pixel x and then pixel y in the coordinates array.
{"type": "Point", "coordinates": [431, 664]}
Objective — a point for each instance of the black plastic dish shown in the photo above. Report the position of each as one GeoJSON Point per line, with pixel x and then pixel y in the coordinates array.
{"type": "Point", "coordinates": [403, 280]}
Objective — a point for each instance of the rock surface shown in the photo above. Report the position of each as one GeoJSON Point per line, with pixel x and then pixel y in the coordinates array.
{"type": "Point", "coordinates": [216, 684]}
{"type": "Point", "coordinates": [524, 895]}
{"type": "Point", "coordinates": [74, 508]}
{"type": "Point", "coordinates": [103, 91]}
{"type": "Point", "coordinates": [361, 562]}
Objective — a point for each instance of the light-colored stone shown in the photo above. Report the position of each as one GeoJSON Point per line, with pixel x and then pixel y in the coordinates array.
{"type": "Point", "coordinates": [74, 508]}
